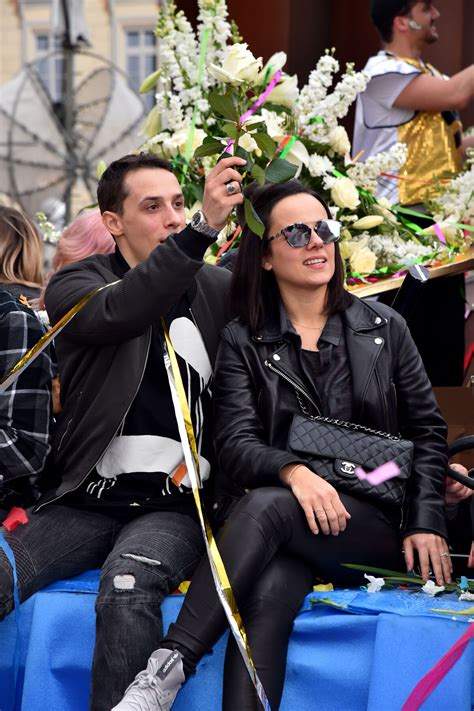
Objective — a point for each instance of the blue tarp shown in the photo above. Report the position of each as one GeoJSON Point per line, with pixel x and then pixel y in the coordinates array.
{"type": "Point", "coordinates": [368, 660]}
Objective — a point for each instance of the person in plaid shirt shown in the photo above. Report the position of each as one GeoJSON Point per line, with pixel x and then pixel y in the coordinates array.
{"type": "Point", "coordinates": [25, 407]}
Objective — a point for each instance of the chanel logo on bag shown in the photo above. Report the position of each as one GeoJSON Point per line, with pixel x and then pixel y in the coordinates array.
{"type": "Point", "coordinates": [348, 467]}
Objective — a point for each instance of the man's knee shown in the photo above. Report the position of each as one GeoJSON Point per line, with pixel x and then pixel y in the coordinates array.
{"type": "Point", "coordinates": [6, 586]}
{"type": "Point", "coordinates": [133, 579]}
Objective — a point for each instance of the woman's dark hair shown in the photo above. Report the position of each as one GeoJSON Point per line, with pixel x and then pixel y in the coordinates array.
{"type": "Point", "coordinates": [254, 291]}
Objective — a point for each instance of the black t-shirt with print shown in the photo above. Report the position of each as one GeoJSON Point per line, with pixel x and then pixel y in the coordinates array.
{"type": "Point", "coordinates": [143, 467]}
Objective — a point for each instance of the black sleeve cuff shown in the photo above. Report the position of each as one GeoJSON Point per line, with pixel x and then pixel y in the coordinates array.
{"type": "Point", "coordinates": [193, 244]}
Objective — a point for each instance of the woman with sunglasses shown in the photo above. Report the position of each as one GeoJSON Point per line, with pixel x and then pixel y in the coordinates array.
{"type": "Point", "coordinates": [300, 338]}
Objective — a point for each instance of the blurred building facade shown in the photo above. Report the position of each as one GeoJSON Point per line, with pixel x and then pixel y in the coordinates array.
{"type": "Point", "coordinates": [121, 31]}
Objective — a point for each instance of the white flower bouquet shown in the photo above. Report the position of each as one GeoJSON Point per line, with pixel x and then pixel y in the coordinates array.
{"type": "Point", "coordinates": [229, 101]}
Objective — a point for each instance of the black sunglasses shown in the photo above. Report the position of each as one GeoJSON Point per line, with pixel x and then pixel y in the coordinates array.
{"type": "Point", "coordinates": [299, 234]}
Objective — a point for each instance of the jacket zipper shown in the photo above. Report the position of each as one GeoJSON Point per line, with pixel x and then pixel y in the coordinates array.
{"type": "Point", "coordinates": [113, 437]}
{"type": "Point", "coordinates": [293, 383]}
{"type": "Point", "coordinates": [64, 433]}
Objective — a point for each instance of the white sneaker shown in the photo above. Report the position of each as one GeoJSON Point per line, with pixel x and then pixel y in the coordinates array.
{"type": "Point", "coordinates": [155, 688]}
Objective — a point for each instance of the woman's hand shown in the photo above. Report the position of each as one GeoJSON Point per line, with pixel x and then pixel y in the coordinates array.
{"type": "Point", "coordinates": [430, 549]}
{"type": "Point", "coordinates": [318, 499]}
{"type": "Point", "coordinates": [455, 491]}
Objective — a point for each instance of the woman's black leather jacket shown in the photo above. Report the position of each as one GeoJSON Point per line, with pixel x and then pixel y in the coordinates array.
{"type": "Point", "coordinates": [254, 397]}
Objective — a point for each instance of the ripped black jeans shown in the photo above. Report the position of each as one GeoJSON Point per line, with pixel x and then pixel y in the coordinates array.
{"type": "Point", "coordinates": [142, 561]}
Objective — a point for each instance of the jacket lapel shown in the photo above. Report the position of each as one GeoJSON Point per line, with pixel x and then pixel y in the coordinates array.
{"type": "Point", "coordinates": [365, 337]}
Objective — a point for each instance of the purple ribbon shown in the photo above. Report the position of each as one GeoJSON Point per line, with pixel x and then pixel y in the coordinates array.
{"type": "Point", "coordinates": [255, 106]}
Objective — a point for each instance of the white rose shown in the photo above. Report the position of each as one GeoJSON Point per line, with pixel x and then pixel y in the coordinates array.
{"type": "Point", "coordinates": [286, 91]}
{"type": "Point", "coordinates": [248, 143]}
{"type": "Point", "coordinates": [363, 261]}
{"type": "Point", "coordinates": [239, 66]}
{"type": "Point", "coordinates": [276, 62]}
{"type": "Point", "coordinates": [298, 155]}
{"type": "Point", "coordinates": [383, 202]}
{"type": "Point", "coordinates": [177, 141]}
{"type": "Point", "coordinates": [449, 232]}
{"type": "Point", "coordinates": [274, 123]}
{"type": "Point", "coordinates": [344, 193]}
{"type": "Point", "coordinates": [152, 123]}
{"type": "Point", "coordinates": [339, 140]}
{"type": "Point", "coordinates": [367, 222]}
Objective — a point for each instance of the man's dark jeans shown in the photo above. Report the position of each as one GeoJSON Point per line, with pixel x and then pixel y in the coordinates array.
{"type": "Point", "coordinates": [142, 562]}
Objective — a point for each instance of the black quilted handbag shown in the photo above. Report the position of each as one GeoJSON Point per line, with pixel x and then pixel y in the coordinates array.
{"type": "Point", "coordinates": [333, 449]}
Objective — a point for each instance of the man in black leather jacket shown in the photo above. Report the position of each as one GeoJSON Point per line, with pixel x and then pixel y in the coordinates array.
{"type": "Point", "coordinates": [121, 497]}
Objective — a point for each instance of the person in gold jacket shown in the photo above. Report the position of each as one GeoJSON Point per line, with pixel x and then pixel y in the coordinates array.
{"type": "Point", "coordinates": [409, 101]}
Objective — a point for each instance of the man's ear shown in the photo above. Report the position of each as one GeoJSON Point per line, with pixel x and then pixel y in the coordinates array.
{"type": "Point", "coordinates": [400, 23]}
{"type": "Point", "coordinates": [112, 223]}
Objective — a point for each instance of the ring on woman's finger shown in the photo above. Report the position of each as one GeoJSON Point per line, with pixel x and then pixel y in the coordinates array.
{"type": "Point", "coordinates": [231, 188]}
{"type": "Point", "coordinates": [444, 555]}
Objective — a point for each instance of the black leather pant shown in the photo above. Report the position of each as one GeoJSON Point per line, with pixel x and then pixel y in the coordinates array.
{"type": "Point", "coordinates": [264, 536]}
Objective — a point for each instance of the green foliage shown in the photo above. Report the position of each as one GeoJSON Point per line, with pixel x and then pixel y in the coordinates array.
{"type": "Point", "coordinates": [209, 147]}
{"type": "Point", "coordinates": [223, 105]}
{"type": "Point", "coordinates": [252, 219]}
{"type": "Point", "coordinates": [258, 174]}
{"type": "Point", "coordinates": [280, 170]}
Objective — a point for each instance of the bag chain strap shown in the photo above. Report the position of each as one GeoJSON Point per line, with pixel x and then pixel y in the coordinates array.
{"type": "Point", "coordinates": [341, 423]}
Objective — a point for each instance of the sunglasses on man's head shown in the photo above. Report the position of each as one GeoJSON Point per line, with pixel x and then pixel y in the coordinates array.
{"type": "Point", "coordinates": [299, 234]}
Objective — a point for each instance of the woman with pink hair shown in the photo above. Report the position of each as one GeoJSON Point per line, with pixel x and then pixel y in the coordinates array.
{"type": "Point", "coordinates": [84, 236]}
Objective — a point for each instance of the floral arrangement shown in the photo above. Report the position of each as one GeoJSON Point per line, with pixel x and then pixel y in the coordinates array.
{"type": "Point", "coordinates": [456, 202]}
{"type": "Point", "coordinates": [230, 102]}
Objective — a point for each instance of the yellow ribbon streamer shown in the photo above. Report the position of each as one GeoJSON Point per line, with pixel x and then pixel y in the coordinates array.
{"type": "Point", "coordinates": [221, 580]}
{"type": "Point", "coordinates": [188, 440]}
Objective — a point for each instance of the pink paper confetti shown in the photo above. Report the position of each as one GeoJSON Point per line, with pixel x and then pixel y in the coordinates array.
{"type": "Point", "coordinates": [378, 476]}
{"type": "Point", "coordinates": [439, 233]}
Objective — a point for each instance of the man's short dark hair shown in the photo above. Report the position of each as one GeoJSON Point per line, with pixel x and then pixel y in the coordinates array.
{"type": "Point", "coordinates": [111, 191]}
{"type": "Point", "coordinates": [383, 13]}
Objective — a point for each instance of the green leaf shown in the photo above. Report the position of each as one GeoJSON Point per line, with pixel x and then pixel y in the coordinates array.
{"type": "Point", "coordinates": [252, 219]}
{"type": "Point", "coordinates": [266, 144]}
{"type": "Point", "coordinates": [258, 174]}
{"type": "Point", "coordinates": [386, 573]}
{"type": "Point", "coordinates": [209, 147]}
{"type": "Point", "coordinates": [280, 170]}
{"type": "Point", "coordinates": [230, 130]}
{"type": "Point", "coordinates": [149, 82]}
{"type": "Point", "coordinates": [101, 168]}
{"type": "Point", "coordinates": [242, 153]}
{"type": "Point", "coordinates": [223, 105]}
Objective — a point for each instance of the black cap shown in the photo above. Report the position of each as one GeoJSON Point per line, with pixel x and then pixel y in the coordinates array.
{"type": "Point", "coordinates": [383, 11]}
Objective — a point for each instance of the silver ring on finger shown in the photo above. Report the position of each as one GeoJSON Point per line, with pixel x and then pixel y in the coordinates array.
{"type": "Point", "coordinates": [444, 555]}
{"type": "Point", "coordinates": [231, 188]}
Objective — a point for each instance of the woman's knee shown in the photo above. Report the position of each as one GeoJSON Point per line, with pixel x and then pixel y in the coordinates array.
{"type": "Point", "coordinates": [274, 500]}
{"type": "Point", "coordinates": [285, 582]}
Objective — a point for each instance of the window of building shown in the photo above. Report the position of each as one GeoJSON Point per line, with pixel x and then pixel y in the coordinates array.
{"type": "Point", "coordinates": [140, 55]}
{"type": "Point", "coordinates": [50, 68]}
